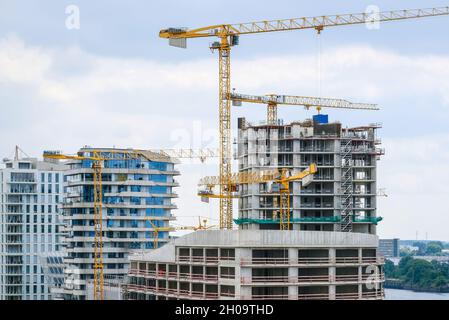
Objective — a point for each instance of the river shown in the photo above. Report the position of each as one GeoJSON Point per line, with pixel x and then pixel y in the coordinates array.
{"type": "Point", "coordinates": [395, 294]}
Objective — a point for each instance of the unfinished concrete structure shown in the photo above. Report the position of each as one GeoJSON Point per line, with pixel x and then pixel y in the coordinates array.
{"type": "Point", "coordinates": [259, 265]}
{"type": "Point", "coordinates": [330, 251]}
{"type": "Point", "coordinates": [342, 196]}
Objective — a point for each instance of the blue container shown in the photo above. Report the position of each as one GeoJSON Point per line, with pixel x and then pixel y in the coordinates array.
{"type": "Point", "coordinates": [321, 118]}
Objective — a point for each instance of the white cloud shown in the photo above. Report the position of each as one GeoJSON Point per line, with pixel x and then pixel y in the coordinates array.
{"type": "Point", "coordinates": [64, 98]}
{"type": "Point", "coordinates": [415, 172]}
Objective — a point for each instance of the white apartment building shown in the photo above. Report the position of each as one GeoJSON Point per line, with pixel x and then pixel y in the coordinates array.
{"type": "Point", "coordinates": [30, 191]}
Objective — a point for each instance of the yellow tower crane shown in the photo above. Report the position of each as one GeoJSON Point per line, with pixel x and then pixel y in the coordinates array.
{"type": "Point", "coordinates": [98, 156]}
{"type": "Point", "coordinates": [97, 164]}
{"type": "Point", "coordinates": [282, 179]}
{"type": "Point", "coordinates": [272, 101]}
{"type": "Point", "coordinates": [228, 36]}
{"type": "Point", "coordinates": [201, 226]}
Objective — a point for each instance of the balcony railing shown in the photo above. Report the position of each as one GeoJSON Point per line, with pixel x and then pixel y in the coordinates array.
{"type": "Point", "coordinates": [312, 279]}
{"type": "Point", "coordinates": [173, 275]}
{"type": "Point", "coordinates": [311, 260]}
{"type": "Point", "coordinates": [202, 259]}
{"type": "Point", "coordinates": [268, 297]}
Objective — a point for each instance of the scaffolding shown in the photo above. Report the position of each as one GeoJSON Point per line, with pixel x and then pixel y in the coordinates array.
{"type": "Point", "coordinates": [347, 186]}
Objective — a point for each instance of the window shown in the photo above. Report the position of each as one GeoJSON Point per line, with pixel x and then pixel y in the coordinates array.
{"type": "Point", "coordinates": [42, 177]}
{"type": "Point", "coordinates": [49, 177]}
{"type": "Point", "coordinates": [158, 166]}
{"type": "Point", "coordinates": [24, 165]}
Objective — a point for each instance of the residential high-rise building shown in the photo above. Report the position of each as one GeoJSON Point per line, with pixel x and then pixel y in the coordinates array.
{"type": "Point", "coordinates": [137, 190]}
{"type": "Point", "coordinates": [331, 249]}
{"type": "Point", "coordinates": [30, 192]}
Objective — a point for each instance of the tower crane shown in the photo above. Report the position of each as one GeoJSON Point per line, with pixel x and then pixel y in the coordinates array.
{"type": "Point", "coordinates": [282, 179]}
{"type": "Point", "coordinates": [228, 36]}
{"type": "Point", "coordinates": [272, 101]}
{"type": "Point", "coordinates": [201, 154]}
{"type": "Point", "coordinates": [97, 164]}
{"type": "Point", "coordinates": [202, 225]}
{"type": "Point", "coordinates": [98, 157]}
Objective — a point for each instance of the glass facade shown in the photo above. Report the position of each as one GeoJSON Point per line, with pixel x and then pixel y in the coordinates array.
{"type": "Point", "coordinates": [135, 190]}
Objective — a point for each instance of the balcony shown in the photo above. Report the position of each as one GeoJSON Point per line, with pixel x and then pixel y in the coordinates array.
{"type": "Point", "coordinates": [199, 259]}
{"type": "Point", "coordinates": [174, 275]}
{"type": "Point", "coordinates": [317, 279]}
{"type": "Point", "coordinates": [314, 296]}
{"type": "Point", "coordinates": [305, 261]}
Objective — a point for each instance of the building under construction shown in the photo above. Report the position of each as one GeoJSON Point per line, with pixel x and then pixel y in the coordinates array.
{"type": "Point", "coordinates": [330, 248]}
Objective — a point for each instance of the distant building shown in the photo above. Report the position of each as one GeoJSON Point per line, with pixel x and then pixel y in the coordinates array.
{"type": "Point", "coordinates": [30, 191]}
{"type": "Point", "coordinates": [389, 248]}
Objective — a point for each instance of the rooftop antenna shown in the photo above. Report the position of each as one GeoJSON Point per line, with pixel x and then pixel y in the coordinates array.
{"type": "Point", "coordinates": [17, 151]}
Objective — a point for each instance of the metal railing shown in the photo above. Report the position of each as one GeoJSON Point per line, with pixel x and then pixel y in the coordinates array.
{"type": "Point", "coordinates": [312, 260]}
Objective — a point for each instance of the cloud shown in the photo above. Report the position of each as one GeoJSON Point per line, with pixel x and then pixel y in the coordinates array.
{"type": "Point", "coordinates": [415, 172]}
{"type": "Point", "coordinates": [64, 98]}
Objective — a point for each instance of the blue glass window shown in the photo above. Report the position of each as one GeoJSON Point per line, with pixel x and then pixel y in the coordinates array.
{"type": "Point", "coordinates": [158, 178]}
{"type": "Point", "coordinates": [136, 188]}
{"type": "Point", "coordinates": [158, 166]}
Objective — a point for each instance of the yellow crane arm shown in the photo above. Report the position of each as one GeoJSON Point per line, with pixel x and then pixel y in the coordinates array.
{"type": "Point", "coordinates": [258, 177]}
{"type": "Point", "coordinates": [241, 178]}
{"type": "Point", "coordinates": [302, 101]}
{"type": "Point", "coordinates": [59, 156]}
{"type": "Point", "coordinates": [318, 23]}
{"type": "Point", "coordinates": [312, 169]}
{"type": "Point", "coordinates": [201, 154]}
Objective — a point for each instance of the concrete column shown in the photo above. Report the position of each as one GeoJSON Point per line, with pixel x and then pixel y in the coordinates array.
{"type": "Point", "coordinates": [360, 255]}
{"type": "Point", "coordinates": [242, 253]}
{"type": "Point", "coordinates": [293, 272]}
{"type": "Point", "coordinates": [332, 273]}
{"type": "Point", "coordinates": [361, 284]}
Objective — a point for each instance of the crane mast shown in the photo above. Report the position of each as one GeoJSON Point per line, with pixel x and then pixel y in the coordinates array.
{"type": "Point", "coordinates": [228, 36]}
{"type": "Point", "coordinates": [97, 165]}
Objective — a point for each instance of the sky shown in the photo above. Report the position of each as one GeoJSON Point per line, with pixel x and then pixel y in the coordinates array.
{"type": "Point", "coordinates": [114, 82]}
